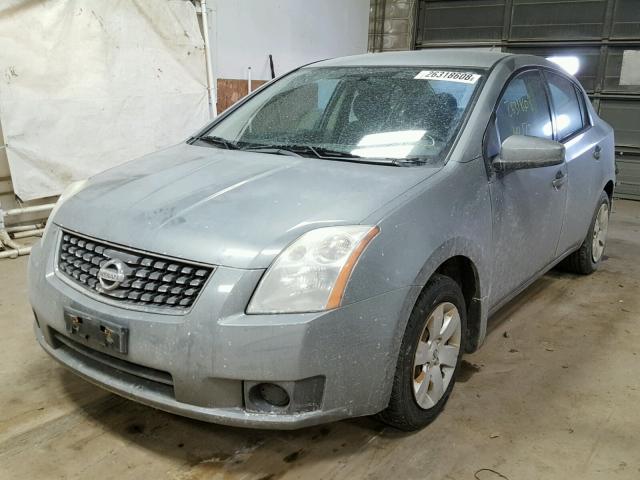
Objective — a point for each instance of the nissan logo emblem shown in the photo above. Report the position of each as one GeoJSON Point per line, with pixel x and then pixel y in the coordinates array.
{"type": "Point", "coordinates": [111, 274]}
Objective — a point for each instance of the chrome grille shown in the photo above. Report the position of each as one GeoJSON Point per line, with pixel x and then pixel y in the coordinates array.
{"type": "Point", "coordinates": [150, 280]}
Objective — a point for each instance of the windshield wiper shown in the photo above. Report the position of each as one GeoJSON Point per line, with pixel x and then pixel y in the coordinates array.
{"type": "Point", "coordinates": [302, 150]}
{"type": "Point", "coordinates": [219, 142]}
{"type": "Point", "coordinates": [409, 161]}
{"type": "Point", "coordinates": [276, 150]}
{"type": "Point", "coordinates": [322, 152]}
{"type": "Point", "coordinates": [398, 162]}
{"type": "Point", "coordinates": [329, 154]}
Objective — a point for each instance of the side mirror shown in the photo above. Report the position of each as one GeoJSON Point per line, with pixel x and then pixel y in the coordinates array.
{"type": "Point", "coordinates": [521, 151]}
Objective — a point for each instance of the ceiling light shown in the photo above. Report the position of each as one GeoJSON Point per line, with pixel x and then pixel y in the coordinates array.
{"type": "Point", "coordinates": [569, 63]}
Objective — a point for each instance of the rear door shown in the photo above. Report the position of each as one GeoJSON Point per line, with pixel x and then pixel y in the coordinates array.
{"type": "Point", "coordinates": [582, 157]}
{"type": "Point", "coordinates": [528, 205]}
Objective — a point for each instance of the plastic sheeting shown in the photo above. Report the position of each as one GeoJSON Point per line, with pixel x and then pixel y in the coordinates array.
{"type": "Point", "coordinates": [85, 86]}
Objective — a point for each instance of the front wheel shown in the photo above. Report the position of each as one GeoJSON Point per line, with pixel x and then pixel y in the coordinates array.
{"type": "Point", "coordinates": [429, 357]}
{"type": "Point", "coordinates": [586, 259]}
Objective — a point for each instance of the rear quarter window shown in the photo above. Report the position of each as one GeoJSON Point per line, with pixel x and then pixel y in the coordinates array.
{"type": "Point", "coordinates": [566, 105]}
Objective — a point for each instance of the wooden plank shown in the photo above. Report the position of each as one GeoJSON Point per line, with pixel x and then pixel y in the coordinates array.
{"type": "Point", "coordinates": [230, 90]}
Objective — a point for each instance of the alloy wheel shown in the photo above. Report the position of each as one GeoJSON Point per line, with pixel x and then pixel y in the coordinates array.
{"type": "Point", "coordinates": [436, 355]}
{"type": "Point", "coordinates": [600, 232]}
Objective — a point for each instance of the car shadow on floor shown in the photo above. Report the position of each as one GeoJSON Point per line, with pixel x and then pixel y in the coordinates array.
{"type": "Point", "coordinates": [211, 448]}
{"type": "Point", "coordinates": [542, 286]}
{"type": "Point", "coordinates": [204, 448]}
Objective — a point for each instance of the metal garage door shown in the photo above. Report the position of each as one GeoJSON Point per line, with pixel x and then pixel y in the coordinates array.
{"type": "Point", "coordinates": [602, 34]}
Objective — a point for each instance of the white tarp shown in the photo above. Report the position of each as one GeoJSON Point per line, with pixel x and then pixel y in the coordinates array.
{"type": "Point", "coordinates": [87, 85]}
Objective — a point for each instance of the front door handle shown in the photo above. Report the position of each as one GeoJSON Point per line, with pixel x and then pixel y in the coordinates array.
{"type": "Point", "coordinates": [596, 152]}
{"type": "Point", "coordinates": [557, 182]}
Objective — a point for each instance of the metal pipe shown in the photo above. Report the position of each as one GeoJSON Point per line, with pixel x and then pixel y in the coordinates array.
{"type": "Point", "coordinates": [7, 242]}
{"type": "Point", "coordinates": [15, 253]}
{"type": "Point", "coordinates": [13, 249]}
{"type": "Point", "coordinates": [33, 209]}
{"type": "Point", "coordinates": [29, 233]}
{"type": "Point", "coordinates": [249, 79]}
{"type": "Point", "coordinates": [211, 94]}
{"type": "Point", "coordinates": [23, 228]}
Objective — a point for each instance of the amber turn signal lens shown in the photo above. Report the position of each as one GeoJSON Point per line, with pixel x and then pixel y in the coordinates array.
{"type": "Point", "coordinates": [335, 299]}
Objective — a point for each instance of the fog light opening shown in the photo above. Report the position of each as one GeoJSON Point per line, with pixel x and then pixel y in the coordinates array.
{"type": "Point", "coordinates": [270, 394]}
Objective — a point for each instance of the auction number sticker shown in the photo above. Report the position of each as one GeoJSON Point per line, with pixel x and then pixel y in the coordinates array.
{"type": "Point", "coordinates": [448, 76]}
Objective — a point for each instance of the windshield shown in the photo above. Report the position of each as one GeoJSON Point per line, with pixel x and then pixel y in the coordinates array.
{"type": "Point", "coordinates": [406, 114]}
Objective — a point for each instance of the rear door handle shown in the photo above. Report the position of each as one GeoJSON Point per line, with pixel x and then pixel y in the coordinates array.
{"type": "Point", "coordinates": [559, 180]}
{"type": "Point", "coordinates": [596, 152]}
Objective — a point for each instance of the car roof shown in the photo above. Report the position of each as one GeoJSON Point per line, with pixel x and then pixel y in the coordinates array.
{"type": "Point", "coordinates": [430, 57]}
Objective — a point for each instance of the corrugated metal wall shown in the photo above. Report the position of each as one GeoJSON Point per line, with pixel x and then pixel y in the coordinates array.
{"type": "Point", "coordinates": [392, 25]}
{"type": "Point", "coordinates": [595, 31]}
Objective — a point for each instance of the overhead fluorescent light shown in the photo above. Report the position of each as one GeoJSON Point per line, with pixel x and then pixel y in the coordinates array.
{"type": "Point", "coordinates": [569, 63]}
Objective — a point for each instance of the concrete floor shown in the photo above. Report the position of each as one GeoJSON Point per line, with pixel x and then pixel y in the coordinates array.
{"type": "Point", "coordinates": [553, 394]}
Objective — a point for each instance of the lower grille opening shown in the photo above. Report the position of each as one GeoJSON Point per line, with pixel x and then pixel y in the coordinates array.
{"type": "Point", "coordinates": [160, 380]}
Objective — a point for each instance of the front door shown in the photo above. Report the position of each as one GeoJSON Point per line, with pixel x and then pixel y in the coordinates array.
{"type": "Point", "coordinates": [528, 205]}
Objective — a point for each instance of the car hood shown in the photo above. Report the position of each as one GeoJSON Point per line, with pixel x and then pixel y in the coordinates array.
{"type": "Point", "coordinates": [225, 207]}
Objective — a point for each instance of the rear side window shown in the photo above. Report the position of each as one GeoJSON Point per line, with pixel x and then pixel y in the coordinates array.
{"type": "Point", "coordinates": [569, 118]}
{"type": "Point", "coordinates": [523, 108]}
{"type": "Point", "coordinates": [582, 100]}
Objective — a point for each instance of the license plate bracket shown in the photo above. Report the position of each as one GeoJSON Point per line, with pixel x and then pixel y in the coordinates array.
{"type": "Point", "coordinates": [94, 332]}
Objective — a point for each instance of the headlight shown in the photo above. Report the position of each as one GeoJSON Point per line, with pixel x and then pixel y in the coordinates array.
{"type": "Point", "coordinates": [311, 274]}
{"type": "Point", "coordinates": [68, 192]}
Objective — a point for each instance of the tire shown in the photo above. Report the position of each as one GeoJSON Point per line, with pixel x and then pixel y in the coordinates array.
{"type": "Point", "coordinates": [587, 258]}
{"type": "Point", "coordinates": [413, 405]}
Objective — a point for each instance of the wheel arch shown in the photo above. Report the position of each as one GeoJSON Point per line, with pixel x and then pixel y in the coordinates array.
{"type": "Point", "coordinates": [463, 271]}
{"type": "Point", "coordinates": [462, 261]}
{"type": "Point", "coordinates": [609, 189]}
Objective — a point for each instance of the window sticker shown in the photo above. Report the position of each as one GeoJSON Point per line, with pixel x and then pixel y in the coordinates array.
{"type": "Point", "coordinates": [447, 76]}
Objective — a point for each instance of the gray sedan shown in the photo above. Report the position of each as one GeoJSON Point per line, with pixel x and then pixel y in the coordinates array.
{"type": "Point", "coordinates": [330, 246]}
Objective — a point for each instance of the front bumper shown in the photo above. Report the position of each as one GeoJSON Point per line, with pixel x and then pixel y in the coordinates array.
{"type": "Point", "coordinates": [213, 354]}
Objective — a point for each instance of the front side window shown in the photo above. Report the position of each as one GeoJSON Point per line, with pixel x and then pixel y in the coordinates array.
{"type": "Point", "coordinates": [523, 108]}
{"type": "Point", "coordinates": [565, 105]}
{"type": "Point", "coordinates": [406, 113]}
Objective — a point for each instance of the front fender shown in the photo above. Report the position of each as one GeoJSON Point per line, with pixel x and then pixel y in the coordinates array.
{"type": "Point", "coordinates": [447, 215]}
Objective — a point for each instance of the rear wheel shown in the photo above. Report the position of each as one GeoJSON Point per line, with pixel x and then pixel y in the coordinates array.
{"type": "Point", "coordinates": [586, 259]}
{"type": "Point", "coordinates": [429, 357]}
